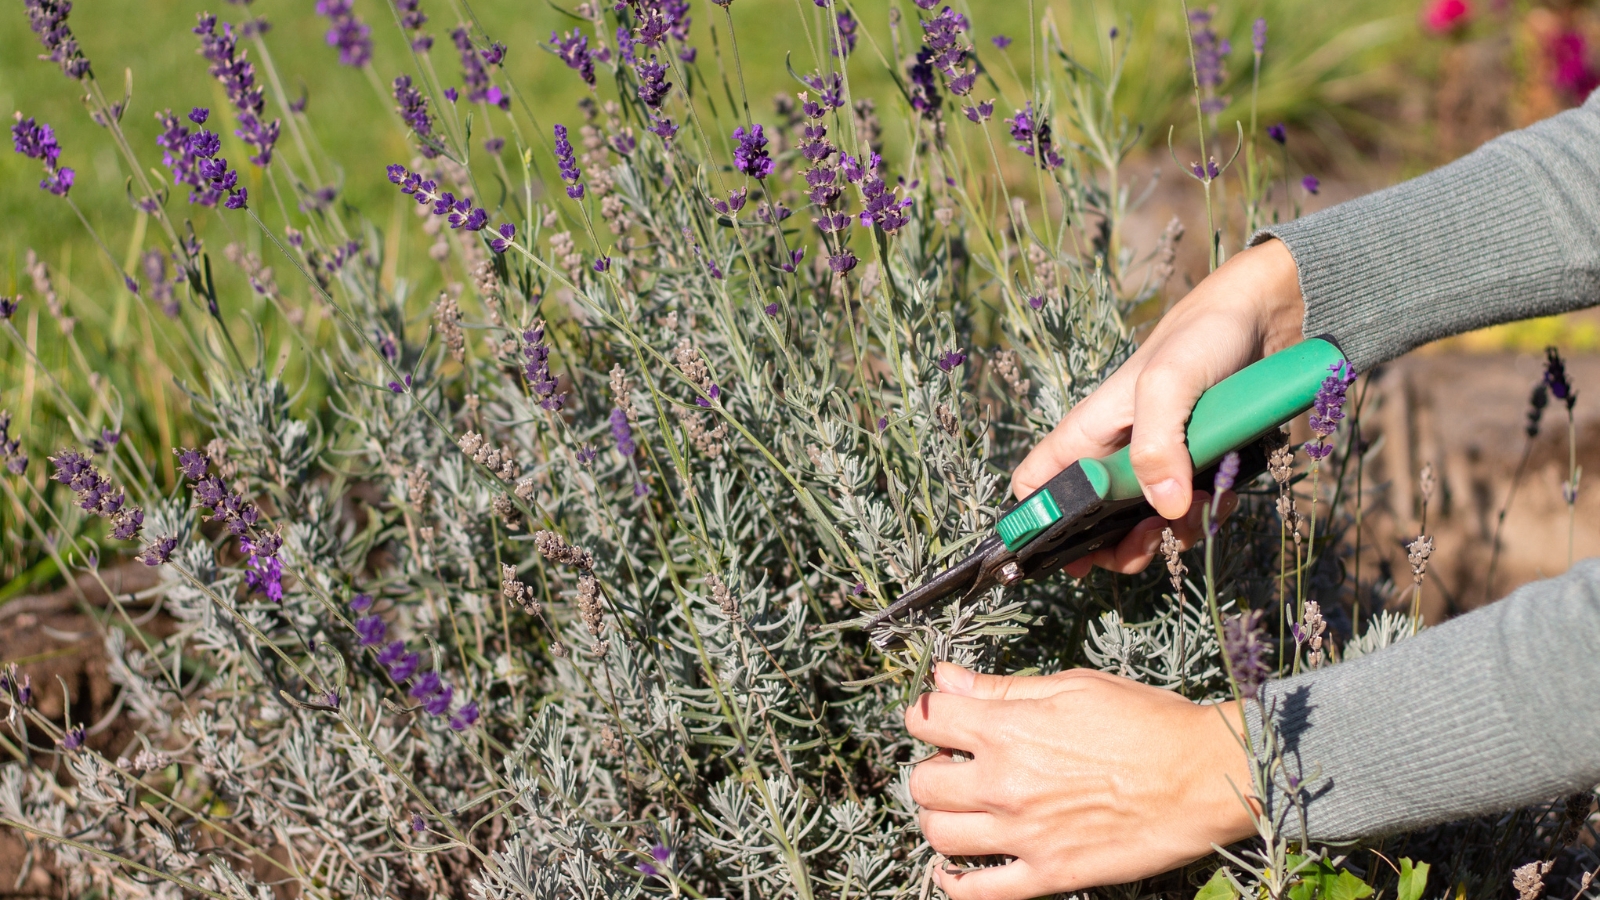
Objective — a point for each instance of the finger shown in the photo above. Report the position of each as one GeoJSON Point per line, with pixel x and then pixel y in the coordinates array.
{"type": "Point", "coordinates": [948, 720]}
{"type": "Point", "coordinates": [1095, 427]}
{"type": "Point", "coordinates": [962, 833]}
{"type": "Point", "coordinates": [954, 679]}
{"type": "Point", "coordinates": [946, 785]}
{"type": "Point", "coordinates": [1163, 399]}
{"type": "Point", "coordinates": [1017, 880]}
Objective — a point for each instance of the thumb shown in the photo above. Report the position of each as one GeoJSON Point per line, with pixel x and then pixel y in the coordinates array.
{"type": "Point", "coordinates": [953, 679]}
{"type": "Point", "coordinates": [1159, 451]}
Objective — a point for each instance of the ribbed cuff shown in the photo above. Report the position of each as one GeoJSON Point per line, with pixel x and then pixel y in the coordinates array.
{"type": "Point", "coordinates": [1508, 232]}
{"type": "Point", "coordinates": [1490, 711]}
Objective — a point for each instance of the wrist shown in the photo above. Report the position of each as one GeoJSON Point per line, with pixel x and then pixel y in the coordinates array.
{"type": "Point", "coordinates": [1222, 783]}
{"type": "Point", "coordinates": [1275, 282]}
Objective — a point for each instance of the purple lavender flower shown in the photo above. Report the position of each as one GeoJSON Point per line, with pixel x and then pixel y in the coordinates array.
{"type": "Point", "coordinates": [413, 110]}
{"type": "Point", "coordinates": [574, 51]}
{"type": "Point", "coordinates": [1000, 41]}
{"type": "Point", "coordinates": [74, 737]}
{"type": "Point", "coordinates": [1328, 408]}
{"type": "Point", "coordinates": [945, 38]}
{"type": "Point", "coordinates": [193, 464]}
{"type": "Point", "coordinates": [458, 212]}
{"type": "Point", "coordinates": [1210, 52]}
{"type": "Point", "coordinates": [347, 32]}
{"type": "Point", "coordinates": [160, 552]}
{"type": "Point", "coordinates": [661, 854]}
{"type": "Point", "coordinates": [371, 630]}
{"type": "Point", "coordinates": [950, 360]}
{"type": "Point", "coordinates": [981, 112]}
{"type": "Point", "coordinates": [537, 369]}
{"type": "Point", "coordinates": [1207, 171]}
{"type": "Point", "coordinates": [426, 685]}
{"type": "Point", "coordinates": [1227, 472]}
{"type": "Point", "coordinates": [507, 232]}
{"type": "Point", "coordinates": [10, 447]}
{"type": "Point", "coordinates": [847, 34]}
{"type": "Point", "coordinates": [1555, 378]}
{"type": "Point", "coordinates": [1278, 133]}
{"type": "Point", "coordinates": [842, 262]}
{"type": "Point", "coordinates": [361, 603]}
{"type": "Point", "coordinates": [35, 141]}
{"type": "Point", "coordinates": [181, 160]}
{"type": "Point", "coordinates": [653, 83]}
{"type": "Point", "coordinates": [664, 128]}
{"type": "Point", "coordinates": [603, 264]}
{"type": "Point", "coordinates": [237, 76]}
{"type": "Point", "coordinates": [39, 142]}
{"type": "Point", "coordinates": [1312, 184]}
{"type": "Point", "coordinates": [48, 19]}
{"type": "Point", "coordinates": [1245, 648]}
{"type": "Point", "coordinates": [475, 74]}
{"type": "Point", "coordinates": [210, 172]}
{"type": "Point", "coordinates": [771, 310]}
{"type": "Point", "coordinates": [402, 668]}
{"type": "Point", "coordinates": [8, 307]}
{"type": "Point", "coordinates": [1258, 37]}
{"type": "Point", "coordinates": [230, 66]}
{"type": "Point", "coordinates": [830, 90]}
{"type": "Point", "coordinates": [925, 97]}
{"type": "Point", "coordinates": [880, 206]}
{"type": "Point", "coordinates": [1031, 133]}
{"type": "Point", "coordinates": [568, 161]}
{"type": "Point", "coordinates": [465, 717]}
{"type": "Point", "coordinates": [96, 494]}
{"type": "Point", "coordinates": [412, 18]}
{"type": "Point", "coordinates": [751, 155]}
{"type": "Point", "coordinates": [439, 703]}
{"type": "Point", "coordinates": [263, 570]}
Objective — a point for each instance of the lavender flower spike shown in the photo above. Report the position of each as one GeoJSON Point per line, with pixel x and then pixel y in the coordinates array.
{"type": "Point", "coordinates": [568, 161]}
{"type": "Point", "coordinates": [1328, 408]}
{"type": "Point", "coordinates": [1246, 650]}
{"type": "Point", "coordinates": [751, 155]}
{"type": "Point", "coordinates": [237, 75]}
{"type": "Point", "coordinates": [346, 32]}
{"type": "Point", "coordinates": [48, 19]}
{"type": "Point", "coordinates": [39, 142]}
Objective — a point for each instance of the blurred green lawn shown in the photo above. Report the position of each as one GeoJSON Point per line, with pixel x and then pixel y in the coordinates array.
{"type": "Point", "coordinates": [1330, 71]}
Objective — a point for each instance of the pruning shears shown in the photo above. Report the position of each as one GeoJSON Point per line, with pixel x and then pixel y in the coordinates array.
{"type": "Point", "coordinates": [1093, 503]}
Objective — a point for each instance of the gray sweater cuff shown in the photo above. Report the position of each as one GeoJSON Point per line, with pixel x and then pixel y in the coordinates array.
{"type": "Point", "coordinates": [1490, 711]}
{"type": "Point", "coordinates": [1510, 232]}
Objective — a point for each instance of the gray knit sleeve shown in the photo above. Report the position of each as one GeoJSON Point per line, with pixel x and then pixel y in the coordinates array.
{"type": "Point", "coordinates": [1490, 711]}
{"type": "Point", "coordinates": [1509, 232]}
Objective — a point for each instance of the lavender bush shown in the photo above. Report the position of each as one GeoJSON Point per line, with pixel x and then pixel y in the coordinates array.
{"type": "Point", "coordinates": [560, 594]}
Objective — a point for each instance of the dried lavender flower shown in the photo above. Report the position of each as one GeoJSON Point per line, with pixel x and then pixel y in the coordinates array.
{"type": "Point", "coordinates": [1528, 879]}
{"type": "Point", "coordinates": [1417, 554]}
{"type": "Point", "coordinates": [1171, 551]}
{"type": "Point", "coordinates": [553, 547]}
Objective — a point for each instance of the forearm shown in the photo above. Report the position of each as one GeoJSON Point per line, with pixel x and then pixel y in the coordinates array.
{"type": "Point", "coordinates": [1489, 711]}
{"type": "Point", "coordinates": [1510, 232]}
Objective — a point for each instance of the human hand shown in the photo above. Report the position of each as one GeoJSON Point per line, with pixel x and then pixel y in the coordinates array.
{"type": "Point", "coordinates": [1248, 308]}
{"type": "Point", "coordinates": [1086, 778]}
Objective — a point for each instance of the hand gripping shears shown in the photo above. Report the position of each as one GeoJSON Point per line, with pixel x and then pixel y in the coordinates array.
{"type": "Point", "coordinates": [1093, 503]}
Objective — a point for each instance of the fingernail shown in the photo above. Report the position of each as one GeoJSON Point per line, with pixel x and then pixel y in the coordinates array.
{"type": "Point", "coordinates": [1165, 495]}
{"type": "Point", "coordinates": [954, 678]}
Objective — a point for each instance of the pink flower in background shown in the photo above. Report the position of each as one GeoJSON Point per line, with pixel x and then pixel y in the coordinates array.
{"type": "Point", "coordinates": [1442, 16]}
{"type": "Point", "coordinates": [1570, 70]}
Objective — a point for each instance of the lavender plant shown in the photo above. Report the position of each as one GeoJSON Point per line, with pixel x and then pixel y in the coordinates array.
{"type": "Point", "coordinates": [560, 592]}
